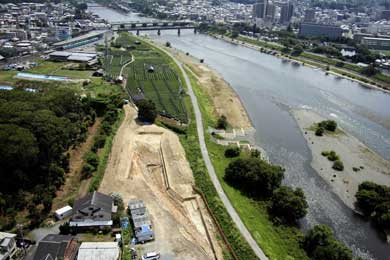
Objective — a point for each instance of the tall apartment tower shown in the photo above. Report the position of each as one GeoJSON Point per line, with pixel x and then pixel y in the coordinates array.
{"type": "Point", "coordinates": [310, 15]}
{"type": "Point", "coordinates": [270, 12]}
{"type": "Point", "coordinates": [287, 10]}
{"type": "Point", "coordinates": [260, 8]}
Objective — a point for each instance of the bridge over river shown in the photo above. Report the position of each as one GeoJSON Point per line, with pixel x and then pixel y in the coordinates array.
{"type": "Point", "coordinates": [153, 26]}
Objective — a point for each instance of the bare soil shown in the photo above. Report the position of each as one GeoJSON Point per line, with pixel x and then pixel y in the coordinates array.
{"type": "Point", "coordinates": [72, 178]}
{"type": "Point", "coordinates": [149, 163]}
{"type": "Point", "coordinates": [353, 153]}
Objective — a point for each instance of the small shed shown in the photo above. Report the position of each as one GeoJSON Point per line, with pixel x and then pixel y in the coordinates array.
{"type": "Point", "coordinates": [63, 212]}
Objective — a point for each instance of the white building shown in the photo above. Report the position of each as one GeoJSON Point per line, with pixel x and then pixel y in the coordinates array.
{"type": "Point", "coordinates": [98, 251]}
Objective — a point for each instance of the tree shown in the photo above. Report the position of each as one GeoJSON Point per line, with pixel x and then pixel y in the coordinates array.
{"type": "Point", "coordinates": [254, 176]}
{"type": "Point", "coordinates": [289, 204]}
{"type": "Point", "coordinates": [320, 244]}
{"type": "Point", "coordinates": [370, 70]}
{"type": "Point", "coordinates": [297, 50]}
{"type": "Point", "coordinates": [146, 111]}
{"type": "Point", "coordinates": [168, 44]}
{"type": "Point", "coordinates": [232, 152]}
{"type": "Point", "coordinates": [382, 215]}
{"type": "Point", "coordinates": [335, 250]}
{"type": "Point", "coordinates": [317, 236]}
{"type": "Point", "coordinates": [222, 122]}
{"type": "Point", "coordinates": [87, 170]}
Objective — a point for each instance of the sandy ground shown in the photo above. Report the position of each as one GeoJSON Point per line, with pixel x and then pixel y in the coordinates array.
{"type": "Point", "coordinates": [352, 152]}
{"type": "Point", "coordinates": [225, 100]}
{"type": "Point", "coordinates": [142, 161]}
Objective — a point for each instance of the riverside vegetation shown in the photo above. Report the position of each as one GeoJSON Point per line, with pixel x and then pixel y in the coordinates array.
{"type": "Point", "coordinates": [278, 236]}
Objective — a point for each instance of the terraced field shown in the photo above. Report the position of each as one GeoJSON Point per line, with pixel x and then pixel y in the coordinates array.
{"type": "Point", "coordinates": [151, 76]}
{"type": "Point", "coordinates": [115, 60]}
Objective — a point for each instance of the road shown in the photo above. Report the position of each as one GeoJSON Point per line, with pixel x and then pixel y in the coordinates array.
{"type": "Point", "coordinates": [210, 168]}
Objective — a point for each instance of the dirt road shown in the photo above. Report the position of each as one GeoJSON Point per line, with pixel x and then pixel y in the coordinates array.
{"type": "Point", "coordinates": [144, 162]}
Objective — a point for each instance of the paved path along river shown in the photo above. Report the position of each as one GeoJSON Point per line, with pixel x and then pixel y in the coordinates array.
{"type": "Point", "coordinates": [210, 168]}
{"type": "Point", "coordinates": [269, 89]}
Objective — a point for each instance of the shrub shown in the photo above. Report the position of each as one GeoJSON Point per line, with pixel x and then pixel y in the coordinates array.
{"type": "Point", "coordinates": [255, 153]}
{"type": "Point", "coordinates": [338, 165]}
{"type": "Point", "coordinates": [222, 122]}
{"type": "Point", "coordinates": [319, 131]}
{"type": "Point", "coordinates": [92, 159]}
{"type": "Point", "coordinates": [289, 204]}
{"type": "Point", "coordinates": [232, 152]}
{"type": "Point", "coordinates": [87, 171]}
{"type": "Point", "coordinates": [332, 156]}
{"type": "Point", "coordinates": [325, 153]}
{"type": "Point", "coordinates": [99, 142]}
{"type": "Point", "coordinates": [329, 125]}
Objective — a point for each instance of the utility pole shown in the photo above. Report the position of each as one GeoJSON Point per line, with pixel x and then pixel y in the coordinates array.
{"type": "Point", "coordinates": [20, 229]}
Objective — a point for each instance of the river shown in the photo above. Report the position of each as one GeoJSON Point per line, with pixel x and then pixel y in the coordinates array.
{"type": "Point", "coordinates": [269, 89]}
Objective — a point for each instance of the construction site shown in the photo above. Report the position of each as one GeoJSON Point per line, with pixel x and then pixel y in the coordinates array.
{"type": "Point", "coordinates": [148, 163]}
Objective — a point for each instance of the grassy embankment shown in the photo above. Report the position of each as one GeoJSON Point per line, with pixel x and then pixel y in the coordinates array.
{"type": "Point", "coordinates": [277, 242]}
{"type": "Point", "coordinates": [322, 62]}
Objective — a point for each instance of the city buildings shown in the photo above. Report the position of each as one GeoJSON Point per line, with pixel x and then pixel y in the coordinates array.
{"type": "Point", "coordinates": [260, 8]}
{"type": "Point", "coordinates": [320, 30]}
{"type": "Point", "coordinates": [286, 13]}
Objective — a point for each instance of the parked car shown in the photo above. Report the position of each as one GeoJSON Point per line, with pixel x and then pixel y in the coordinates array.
{"type": "Point", "coordinates": [151, 256]}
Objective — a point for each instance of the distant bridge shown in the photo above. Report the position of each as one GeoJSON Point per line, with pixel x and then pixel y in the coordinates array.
{"type": "Point", "coordinates": [152, 26]}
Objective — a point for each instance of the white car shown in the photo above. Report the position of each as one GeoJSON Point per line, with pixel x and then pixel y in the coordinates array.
{"type": "Point", "coordinates": [151, 256]}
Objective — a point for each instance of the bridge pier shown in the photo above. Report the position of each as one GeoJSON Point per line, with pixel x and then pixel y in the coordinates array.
{"type": "Point", "coordinates": [158, 32]}
{"type": "Point", "coordinates": [178, 31]}
{"type": "Point", "coordinates": [137, 32]}
{"type": "Point", "coordinates": [195, 30]}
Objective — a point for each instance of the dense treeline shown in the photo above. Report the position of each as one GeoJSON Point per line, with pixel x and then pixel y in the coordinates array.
{"type": "Point", "coordinates": [374, 200]}
{"type": "Point", "coordinates": [36, 131]}
{"type": "Point", "coordinates": [262, 181]}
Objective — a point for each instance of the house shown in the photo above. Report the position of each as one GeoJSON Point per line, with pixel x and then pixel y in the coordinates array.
{"type": "Point", "coordinates": [142, 224]}
{"type": "Point", "coordinates": [98, 251]}
{"type": "Point", "coordinates": [63, 212]}
{"type": "Point", "coordinates": [7, 245]}
{"type": "Point", "coordinates": [55, 247]}
{"type": "Point", "coordinates": [93, 210]}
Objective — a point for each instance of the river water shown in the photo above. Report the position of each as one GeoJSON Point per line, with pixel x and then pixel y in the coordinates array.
{"type": "Point", "coordinates": [269, 89]}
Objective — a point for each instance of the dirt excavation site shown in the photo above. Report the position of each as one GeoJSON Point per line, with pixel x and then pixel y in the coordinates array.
{"type": "Point", "coordinates": [148, 163]}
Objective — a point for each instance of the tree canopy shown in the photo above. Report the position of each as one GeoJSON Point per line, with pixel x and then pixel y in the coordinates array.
{"type": "Point", "coordinates": [320, 244]}
{"type": "Point", "coordinates": [36, 129]}
{"type": "Point", "coordinates": [254, 176]}
{"type": "Point", "coordinates": [147, 111]}
{"type": "Point", "coordinates": [374, 200]}
{"type": "Point", "coordinates": [289, 204]}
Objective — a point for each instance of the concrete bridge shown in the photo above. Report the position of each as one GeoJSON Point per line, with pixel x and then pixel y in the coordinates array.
{"type": "Point", "coordinates": [153, 26]}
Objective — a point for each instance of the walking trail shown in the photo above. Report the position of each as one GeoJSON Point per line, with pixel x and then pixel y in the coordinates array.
{"type": "Point", "coordinates": [210, 168]}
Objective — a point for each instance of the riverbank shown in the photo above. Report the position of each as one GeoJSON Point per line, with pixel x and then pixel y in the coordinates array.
{"type": "Point", "coordinates": [309, 63]}
{"type": "Point", "coordinates": [368, 165]}
{"type": "Point", "coordinates": [225, 100]}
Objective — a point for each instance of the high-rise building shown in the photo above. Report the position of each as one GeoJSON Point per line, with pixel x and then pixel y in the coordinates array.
{"type": "Point", "coordinates": [320, 30]}
{"type": "Point", "coordinates": [310, 15]}
{"type": "Point", "coordinates": [287, 10]}
{"type": "Point", "coordinates": [260, 8]}
{"type": "Point", "coordinates": [270, 12]}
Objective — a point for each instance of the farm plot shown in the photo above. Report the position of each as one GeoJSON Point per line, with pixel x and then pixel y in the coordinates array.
{"type": "Point", "coordinates": [114, 62]}
{"type": "Point", "coordinates": [161, 85]}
